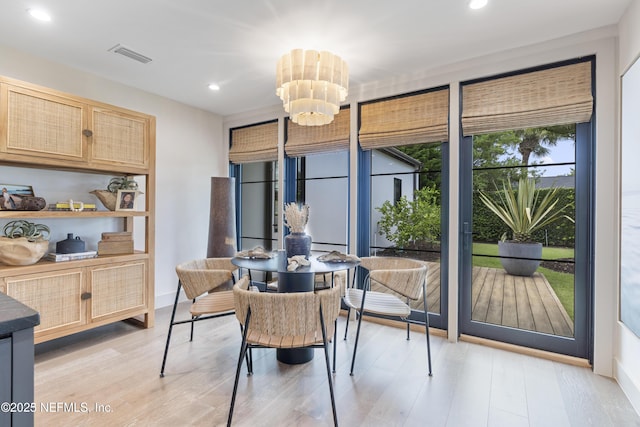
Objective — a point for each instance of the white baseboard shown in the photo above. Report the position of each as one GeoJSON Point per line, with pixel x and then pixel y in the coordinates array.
{"type": "Point", "coordinates": [165, 300]}
{"type": "Point", "coordinates": [627, 384]}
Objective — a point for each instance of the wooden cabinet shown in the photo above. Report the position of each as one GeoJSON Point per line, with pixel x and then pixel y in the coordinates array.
{"type": "Point", "coordinates": [54, 131]}
{"type": "Point", "coordinates": [64, 130]}
{"type": "Point", "coordinates": [75, 299]}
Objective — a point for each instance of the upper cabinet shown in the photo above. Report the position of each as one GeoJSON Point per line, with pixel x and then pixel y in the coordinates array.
{"type": "Point", "coordinates": [68, 131]}
{"type": "Point", "coordinates": [118, 138]}
{"type": "Point", "coordinates": [42, 124]}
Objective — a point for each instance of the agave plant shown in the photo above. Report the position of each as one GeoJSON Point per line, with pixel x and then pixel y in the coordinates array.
{"type": "Point", "coordinates": [525, 211]}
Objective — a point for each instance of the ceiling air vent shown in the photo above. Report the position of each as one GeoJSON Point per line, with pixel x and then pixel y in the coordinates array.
{"type": "Point", "coordinates": [130, 53]}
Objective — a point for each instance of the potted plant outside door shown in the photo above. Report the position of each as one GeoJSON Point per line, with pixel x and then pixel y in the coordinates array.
{"type": "Point", "coordinates": [524, 211]}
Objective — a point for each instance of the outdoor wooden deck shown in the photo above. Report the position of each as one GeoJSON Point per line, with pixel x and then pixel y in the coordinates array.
{"type": "Point", "coordinates": [520, 302]}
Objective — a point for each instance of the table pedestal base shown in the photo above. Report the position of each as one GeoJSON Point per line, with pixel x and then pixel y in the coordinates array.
{"type": "Point", "coordinates": [294, 356]}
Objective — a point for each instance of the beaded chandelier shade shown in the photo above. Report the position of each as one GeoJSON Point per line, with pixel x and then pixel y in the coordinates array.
{"type": "Point", "coordinates": [312, 85]}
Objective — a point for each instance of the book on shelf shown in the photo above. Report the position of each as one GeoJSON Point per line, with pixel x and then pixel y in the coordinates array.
{"type": "Point", "coordinates": [54, 208]}
{"type": "Point", "coordinates": [52, 256]}
{"type": "Point", "coordinates": [76, 205]}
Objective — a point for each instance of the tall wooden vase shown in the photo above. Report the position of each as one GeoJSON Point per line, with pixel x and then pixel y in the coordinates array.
{"type": "Point", "coordinates": [222, 218]}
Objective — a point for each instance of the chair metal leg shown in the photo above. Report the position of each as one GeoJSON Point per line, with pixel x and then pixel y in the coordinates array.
{"type": "Point", "coordinates": [335, 337]}
{"type": "Point", "coordinates": [173, 318]}
{"type": "Point", "coordinates": [355, 346]}
{"type": "Point", "coordinates": [346, 328]}
{"type": "Point", "coordinates": [326, 359]}
{"type": "Point", "coordinates": [243, 352]}
{"type": "Point", "coordinates": [248, 356]}
{"type": "Point", "coordinates": [408, 331]}
{"type": "Point", "coordinates": [193, 318]}
{"type": "Point", "coordinates": [426, 325]}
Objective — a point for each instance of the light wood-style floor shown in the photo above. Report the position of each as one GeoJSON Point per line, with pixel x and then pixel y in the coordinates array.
{"type": "Point", "coordinates": [115, 368]}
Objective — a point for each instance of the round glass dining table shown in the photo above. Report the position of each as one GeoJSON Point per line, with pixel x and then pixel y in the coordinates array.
{"type": "Point", "coordinates": [300, 280]}
{"type": "Point", "coordinates": [278, 264]}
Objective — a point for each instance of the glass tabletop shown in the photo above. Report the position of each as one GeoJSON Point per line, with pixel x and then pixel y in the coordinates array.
{"type": "Point", "coordinates": [279, 263]}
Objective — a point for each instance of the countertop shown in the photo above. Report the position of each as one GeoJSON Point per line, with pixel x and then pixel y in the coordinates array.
{"type": "Point", "coordinates": [15, 316]}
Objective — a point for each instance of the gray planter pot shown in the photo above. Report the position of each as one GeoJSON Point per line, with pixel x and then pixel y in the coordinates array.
{"type": "Point", "coordinates": [520, 259]}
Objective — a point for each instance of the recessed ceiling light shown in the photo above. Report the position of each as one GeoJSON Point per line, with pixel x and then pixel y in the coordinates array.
{"type": "Point", "coordinates": [477, 4]}
{"type": "Point", "coordinates": [39, 14]}
{"type": "Point", "coordinates": [214, 86]}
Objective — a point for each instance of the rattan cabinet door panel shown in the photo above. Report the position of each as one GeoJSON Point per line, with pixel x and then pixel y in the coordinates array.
{"type": "Point", "coordinates": [119, 138]}
{"type": "Point", "coordinates": [117, 289]}
{"type": "Point", "coordinates": [43, 125]}
{"type": "Point", "coordinates": [56, 296]}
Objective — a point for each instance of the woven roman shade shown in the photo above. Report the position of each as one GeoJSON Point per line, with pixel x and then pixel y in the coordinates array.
{"type": "Point", "coordinates": [554, 96]}
{"type": "Point", "coordinates": [258, 143]}
{"type": "Point", "coordinates": [413, 119]}
{"type": "Point", "coordinates": [305, 140]}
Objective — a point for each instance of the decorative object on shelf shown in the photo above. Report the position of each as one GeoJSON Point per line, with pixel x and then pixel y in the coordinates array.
{"type": "Point", "coordinates": [126, 200]}
{"type": "Point", "coordinates": [76, 207]}
{"type": "Point", "coordinates": [116, 243]}
{"type": "Point", "coordinates": [297, 242]}
{"type": "Point", "coordinates": [524, 211]}
{"type": "Point", "coordinates": [222, 218]}
{"type": "Point", "coordinates": [70, 245]}
{"type": "Point", "coordinates": [23, 243]}
{"type": "Point", "coordinates": [109, 197]}
{"type": "Point", "coordinates": [20, 198]}
{"type": "Point", "coordinates": [312, 85]}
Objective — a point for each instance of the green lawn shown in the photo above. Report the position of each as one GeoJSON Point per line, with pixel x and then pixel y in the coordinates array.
{"type": "Point", "coordinates": [562, 283]}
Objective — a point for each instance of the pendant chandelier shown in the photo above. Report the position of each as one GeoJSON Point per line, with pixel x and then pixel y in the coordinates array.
{"type": "Point", "coordinates": [312, 85]}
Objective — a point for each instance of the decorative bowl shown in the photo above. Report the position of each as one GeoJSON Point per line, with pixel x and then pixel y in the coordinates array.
{"type": "Point", "coordinates": [107, 198]}
{"type": "Point", "coordinates": [20, 251]}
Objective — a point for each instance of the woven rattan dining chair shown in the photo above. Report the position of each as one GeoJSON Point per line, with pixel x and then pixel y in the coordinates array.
{"type": "Point", "coordinates": [207, 282]}
{"type": "Point", "coordinates": [405, 277]}
{"type": "Point", "coordinates": [285, 320]}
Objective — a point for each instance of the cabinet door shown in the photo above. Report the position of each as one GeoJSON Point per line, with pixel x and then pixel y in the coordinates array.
{"type": "Point", "coordinates": [43, 125]}
{"type": "Point", "coordinates": [57, 296]}
{"type": "Point", "coordinates": [119, 138]}
{"type": "Point", "coordinates": [116, 289]}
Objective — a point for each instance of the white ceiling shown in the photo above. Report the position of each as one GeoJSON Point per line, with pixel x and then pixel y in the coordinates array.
{"type": "Point", "coordinates": [236, 43]}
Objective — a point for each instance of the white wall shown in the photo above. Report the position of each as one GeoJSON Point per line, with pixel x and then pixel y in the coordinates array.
{"type": "Point", "coordinates": [382, 189]}
{"type": "Point", "coordinates": [600, 42]}
{"type": "Point", "coordinates": [627, 344]}
{"type": "Point", "coordinates": [189, 150]}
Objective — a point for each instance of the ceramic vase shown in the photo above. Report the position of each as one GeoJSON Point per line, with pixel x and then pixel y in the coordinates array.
{"type": "Point", "coordinates": [297, 244]}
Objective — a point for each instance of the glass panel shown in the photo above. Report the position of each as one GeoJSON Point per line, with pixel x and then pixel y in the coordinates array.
{"type": "Point", "coordinates": [258, 186]}
{"type": "Point", "coordinates": [523, 275]}
{"type": "Point", "coordinates": [323, 184]}
{"type": "Point", "coordinates": [411, 226]}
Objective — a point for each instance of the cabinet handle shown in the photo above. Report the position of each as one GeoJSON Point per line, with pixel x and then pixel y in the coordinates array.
{"type": "Point", "coordinates": [85, 296]}
{"type": "Point", "coordinates": [87, 133]}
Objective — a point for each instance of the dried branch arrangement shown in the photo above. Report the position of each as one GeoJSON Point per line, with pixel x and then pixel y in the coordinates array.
{"type": "Point", "coordinates": [296, 217]}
